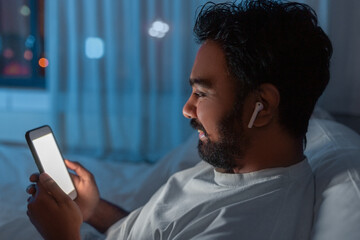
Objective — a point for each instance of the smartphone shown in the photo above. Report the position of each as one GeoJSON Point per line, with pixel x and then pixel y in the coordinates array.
{"type": "Point", "coordinates": [49, 159]}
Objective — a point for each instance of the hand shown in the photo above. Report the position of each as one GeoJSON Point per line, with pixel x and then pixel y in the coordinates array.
{"type": "Point", "coordinates": [99, 213]}
{"type": "Point", "coordinates": [88, 194]}
{"type": "Point", "coordinates": [52, 211]}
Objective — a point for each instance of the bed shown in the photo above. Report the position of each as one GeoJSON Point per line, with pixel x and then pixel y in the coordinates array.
{"type": "Point", "coordinates": [333, 151]}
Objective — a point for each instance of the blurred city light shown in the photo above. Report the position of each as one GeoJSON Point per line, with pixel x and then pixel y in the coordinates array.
{"type": "Point", "coordinates": [43, 62]}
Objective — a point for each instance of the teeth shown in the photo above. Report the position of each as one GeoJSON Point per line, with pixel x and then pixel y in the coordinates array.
{"type": "Point", "coordinates": [201, 134]}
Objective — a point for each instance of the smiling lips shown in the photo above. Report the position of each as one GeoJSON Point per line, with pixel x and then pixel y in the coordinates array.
{"type": "Point", "coordinates": [202, 135]}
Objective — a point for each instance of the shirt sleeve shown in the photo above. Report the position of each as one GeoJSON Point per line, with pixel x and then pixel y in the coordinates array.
{"type": "Point", "coordinates": [121, 229]}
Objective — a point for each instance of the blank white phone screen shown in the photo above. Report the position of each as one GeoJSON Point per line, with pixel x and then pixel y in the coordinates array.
{"type": "Point", "coordinates": [52, 162]}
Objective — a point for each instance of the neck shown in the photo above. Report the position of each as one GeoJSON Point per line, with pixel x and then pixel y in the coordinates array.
{"type": "Point", "coordinates": [273, 150]}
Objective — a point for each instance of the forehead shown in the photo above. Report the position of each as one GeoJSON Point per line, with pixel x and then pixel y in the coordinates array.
{"type": "Point", "coordinates": [210, 64]}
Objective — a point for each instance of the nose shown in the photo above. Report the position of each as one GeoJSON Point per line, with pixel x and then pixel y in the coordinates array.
{"type": "Point", "coordinates": [189, 109]}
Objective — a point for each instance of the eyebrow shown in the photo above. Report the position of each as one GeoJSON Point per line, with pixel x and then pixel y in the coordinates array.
{"type": "Point", "coordinates": [200, 81]}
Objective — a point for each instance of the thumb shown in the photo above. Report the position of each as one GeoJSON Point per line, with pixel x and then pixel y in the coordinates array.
{"type": "Point", "coordinates": [77, 167]}
{"type": "Point", "coordinates": [51, 187]}
{"type": "Point", "coordinates": [81, 172]}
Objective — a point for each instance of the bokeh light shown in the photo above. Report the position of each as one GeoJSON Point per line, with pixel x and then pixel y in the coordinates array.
{"type": "Point", "coordinates": [158, 29]}
{"type": "Point", "coordinates": [28, 55]}
{"type": "Point", "coordinates": [25, 10]}
{"type": "Point", "coordinates": [8, 53]}
{"type": "Point", "coordinates": [30, 40]}
{"type": "Point", "coordinates": [43, 62]}
{"type": "Point", "coordinates": [94, 47]}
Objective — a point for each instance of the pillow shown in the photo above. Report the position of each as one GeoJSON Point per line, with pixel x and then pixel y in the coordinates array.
{"type": "Point", "coordinates": [333, 151]}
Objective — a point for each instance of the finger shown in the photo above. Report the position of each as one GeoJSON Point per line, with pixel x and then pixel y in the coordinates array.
{"type": "Point", "coordinates": [52, 188]}
{"type": "Point", "coordinates": [75, 178]}
{"type": "Point", "coordinates": [28, 213]}
{"type": "Point", "coordinates": [78, 168]}
{"type": "Point", "coordinates": [31, 189]}
{"type": "Point", "coordinates": [71, 165]}
{"type": "Point", "coordinates": [34, 177]}
{"type": "Point", "coordinates": [30, 216]}
{"type": "Point", "coordinates": [31, 199]}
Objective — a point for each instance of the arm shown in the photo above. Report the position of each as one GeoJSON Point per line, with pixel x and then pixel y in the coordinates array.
{"type": "Point", "coordinates": [105, 215]}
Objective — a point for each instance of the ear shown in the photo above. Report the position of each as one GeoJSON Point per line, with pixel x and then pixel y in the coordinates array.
{"type": "Point", "coordinates": [270, 98]}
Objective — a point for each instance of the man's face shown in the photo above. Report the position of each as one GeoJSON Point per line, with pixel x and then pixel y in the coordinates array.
{"type": "Point", "coordinates": [213, 109]}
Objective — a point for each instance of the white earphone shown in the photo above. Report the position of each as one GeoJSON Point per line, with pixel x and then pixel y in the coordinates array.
{"type": "Point", "coordinates": [258, 107]}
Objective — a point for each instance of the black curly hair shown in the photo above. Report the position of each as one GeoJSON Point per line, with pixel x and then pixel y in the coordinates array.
{"type": "Point", "coordinates": [272, 42]}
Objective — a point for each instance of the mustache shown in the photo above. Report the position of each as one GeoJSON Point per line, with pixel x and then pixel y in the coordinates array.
{"type": "Point", "coordinates": [196, 125]}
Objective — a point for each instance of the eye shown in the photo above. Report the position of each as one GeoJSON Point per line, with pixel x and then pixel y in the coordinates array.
{"type": "Point", "coordinates": [199, 94]}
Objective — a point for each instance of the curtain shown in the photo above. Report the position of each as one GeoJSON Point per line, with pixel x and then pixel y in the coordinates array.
{"type": "Point", "coordinates": [117, 93]}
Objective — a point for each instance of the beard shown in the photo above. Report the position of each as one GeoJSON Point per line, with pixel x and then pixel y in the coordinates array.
{"type": "Point", "coordinates": [230, 146]}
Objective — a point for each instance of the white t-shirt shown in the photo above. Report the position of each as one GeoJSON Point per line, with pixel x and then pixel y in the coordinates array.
{"type": "Point", "coordinates": [201, 203]}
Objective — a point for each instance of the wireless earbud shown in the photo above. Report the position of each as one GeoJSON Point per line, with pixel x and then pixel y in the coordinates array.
{"type": "Point", "coordinates": [258, 107]}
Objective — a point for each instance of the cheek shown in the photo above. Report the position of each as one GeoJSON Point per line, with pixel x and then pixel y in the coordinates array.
{"type": "Point", "coordinates": [209, 115]}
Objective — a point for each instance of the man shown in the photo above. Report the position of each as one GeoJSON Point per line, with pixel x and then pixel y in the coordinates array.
{"type": "Point", "coordinates": [260, 69]}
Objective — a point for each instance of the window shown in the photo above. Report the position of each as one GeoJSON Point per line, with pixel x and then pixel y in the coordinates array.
{"type": "Point", "coordinates": [22, 58]}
